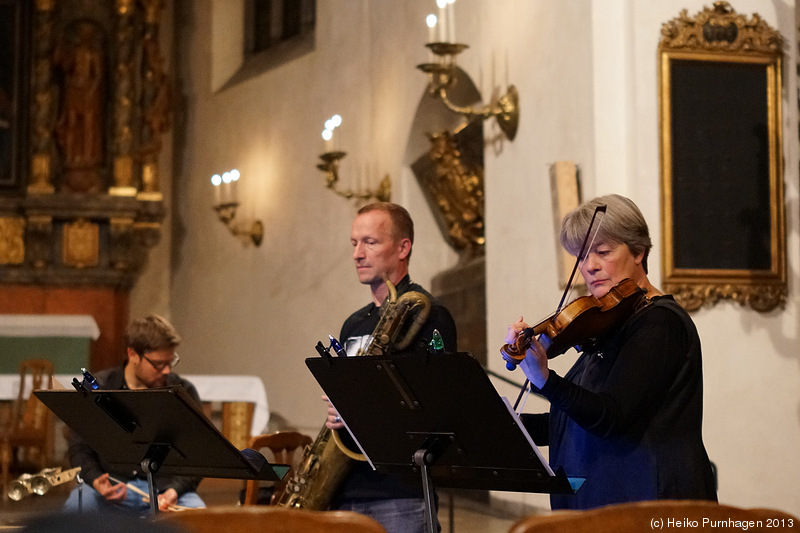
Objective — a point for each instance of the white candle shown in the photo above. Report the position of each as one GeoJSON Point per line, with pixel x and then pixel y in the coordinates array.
{"type": "Point", "coordinates": [431, 22]}
{"type": "Point", "coordinates": [336, 120]}
{"type": "Point", "coordinates": [442, 21]}
{"type": "Point", "coordinates": [216, 180]}
{"type": "Point", "coordinates": [507, 68]}
{"type": "Point", "coordinates": [327, 141]}
{"type": "Point", "coordinates": [234, 185]}
{"type": "Point", "coordinates": [226, 187]}
{"type": "Point", "coordinates": [495, 68]}
{"type": "Point", "coordinates": [451, 21]}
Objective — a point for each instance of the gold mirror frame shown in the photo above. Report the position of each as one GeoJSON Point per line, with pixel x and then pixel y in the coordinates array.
{"type": "Point", "coordinates": [704, 263]}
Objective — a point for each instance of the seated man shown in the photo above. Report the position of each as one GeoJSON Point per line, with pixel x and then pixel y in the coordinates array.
{"type": "Point", "coordinates": [151, 343]}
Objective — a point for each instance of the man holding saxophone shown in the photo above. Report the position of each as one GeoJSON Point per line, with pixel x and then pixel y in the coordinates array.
{"type": "Point", "coordinates": [382, 237]}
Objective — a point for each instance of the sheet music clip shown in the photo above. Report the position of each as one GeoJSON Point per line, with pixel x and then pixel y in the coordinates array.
{"type": "Point", "coordinates": [89, 382]}
{"type": "Point", "coordinates": [324, 352]}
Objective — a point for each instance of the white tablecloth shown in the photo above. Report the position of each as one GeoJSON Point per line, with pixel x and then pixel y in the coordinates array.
{"type": "Point", "coordinates": [212, 388]}
{"type": "Point", "coordinates": [49, 326]}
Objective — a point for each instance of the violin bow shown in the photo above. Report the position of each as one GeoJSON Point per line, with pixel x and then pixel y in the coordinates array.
{"type": "Point", "coordinates": [578, 260]}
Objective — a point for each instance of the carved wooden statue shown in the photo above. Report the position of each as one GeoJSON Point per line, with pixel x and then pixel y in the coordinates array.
{"type": "Point", "coordinates": [79, 129]}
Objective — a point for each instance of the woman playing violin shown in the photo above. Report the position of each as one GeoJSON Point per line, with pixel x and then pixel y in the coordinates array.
{"type": "Point", "coordinates": [628, 414]}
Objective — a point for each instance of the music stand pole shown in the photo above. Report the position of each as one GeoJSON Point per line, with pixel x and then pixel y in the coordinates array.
{"type": "Point", "coordinates": [156, 453]}
{"type": "Point", "coordinates": [426, 455]}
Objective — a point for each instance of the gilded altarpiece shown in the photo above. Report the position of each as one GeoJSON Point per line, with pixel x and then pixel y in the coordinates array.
{"type": "Point", "coordinates": [85, 185]}
{"type": "Point", "coordinates": [82, 117]}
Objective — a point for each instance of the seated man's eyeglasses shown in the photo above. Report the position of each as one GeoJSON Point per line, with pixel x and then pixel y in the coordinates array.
{"type": "Point", "coordinates": [161, 365]}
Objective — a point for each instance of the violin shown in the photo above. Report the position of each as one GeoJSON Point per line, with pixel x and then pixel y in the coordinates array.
{"type": "Point", "coordinates": [583, 319]}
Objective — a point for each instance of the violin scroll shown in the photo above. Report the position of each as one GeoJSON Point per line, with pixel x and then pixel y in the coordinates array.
{"type": "Point", "coordinates": [514, 353]}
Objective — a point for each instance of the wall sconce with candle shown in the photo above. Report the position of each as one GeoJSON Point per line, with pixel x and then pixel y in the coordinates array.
{"type": "Point", "coordinates": [226, 204]}
{"type": "Point", "coordinates": [330, 166]}
{"type": "Point", "coordinates": [505, 108]}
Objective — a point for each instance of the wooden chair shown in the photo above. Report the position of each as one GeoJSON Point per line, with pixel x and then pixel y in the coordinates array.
{"type": "Point", "coordinates": [286, 447]}
{"type": "Point", "coordinates": [30, 428]}
{"type": "Point", "coordinates": [270, 519]}
{"type": "Point", "coordinates": [658, 515]}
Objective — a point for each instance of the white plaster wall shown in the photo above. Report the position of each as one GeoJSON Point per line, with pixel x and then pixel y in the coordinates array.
{"type": "Point", "coordinates": [586, 73]}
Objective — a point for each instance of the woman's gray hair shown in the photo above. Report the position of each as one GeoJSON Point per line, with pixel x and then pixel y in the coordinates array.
{"type": "Point", "coordinates": [622, 223]}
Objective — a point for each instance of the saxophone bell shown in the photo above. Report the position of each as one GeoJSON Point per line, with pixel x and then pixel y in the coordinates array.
{"type": "Point", "coordinates": [20, 487]}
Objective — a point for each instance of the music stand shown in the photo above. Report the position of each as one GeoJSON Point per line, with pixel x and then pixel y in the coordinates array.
{"type": "Point", "coordinates": [155, 430]}
{"type": "Point", "coordinates": [438, 417]}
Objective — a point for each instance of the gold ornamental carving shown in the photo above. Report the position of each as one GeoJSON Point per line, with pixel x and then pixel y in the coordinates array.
{"type": "Point", "coordinates": [124, 6]}
{"type": "Point", "coordinates": [81, 244]}
{"type": "Point", "coordinates": [40, 172]}
{"type": "Point", "coordinates": [720, 28]}
{"type": "Point", "coordinates": [236, 420]}
{"type": "Point", "coordinates": [12, 240]}
{"type": "Point", "coordinates": [45, 5]}
{"type": "Point", "coordinates": [759, 298]}
{"type": "Point", "coordinates": [454, 188]}
{"type": "Point", "coordinates": [122, 142]}
{"type": "Point", "coordinates": [44, 99]}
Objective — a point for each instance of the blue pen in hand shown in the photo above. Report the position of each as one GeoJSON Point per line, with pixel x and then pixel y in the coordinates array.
{"type": "Point", "coordinates": [337, 347]}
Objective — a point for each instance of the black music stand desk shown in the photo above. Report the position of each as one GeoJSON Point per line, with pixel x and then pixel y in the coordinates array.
{"type": "Point", "coordinates": [155, 430]}
{"type": "Point", "coordinates": [438, 417]}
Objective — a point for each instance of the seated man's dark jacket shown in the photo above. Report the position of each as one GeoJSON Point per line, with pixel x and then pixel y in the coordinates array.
{"type": "Point", "coordinates": [93, 466]}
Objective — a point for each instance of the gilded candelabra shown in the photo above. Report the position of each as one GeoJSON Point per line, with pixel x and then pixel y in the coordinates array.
{"type": "Point", "coordinates": [226, 205]}
{"type": "Point", "coordinates": [505, 109]}
{"type": "Point", "coordinates": [248, 231]}
{"type": "Point", "coordinates": [330, 166]}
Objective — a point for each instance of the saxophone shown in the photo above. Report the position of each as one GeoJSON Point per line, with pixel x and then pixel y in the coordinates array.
{"type": "Point", "coordinates": [327, 461]}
